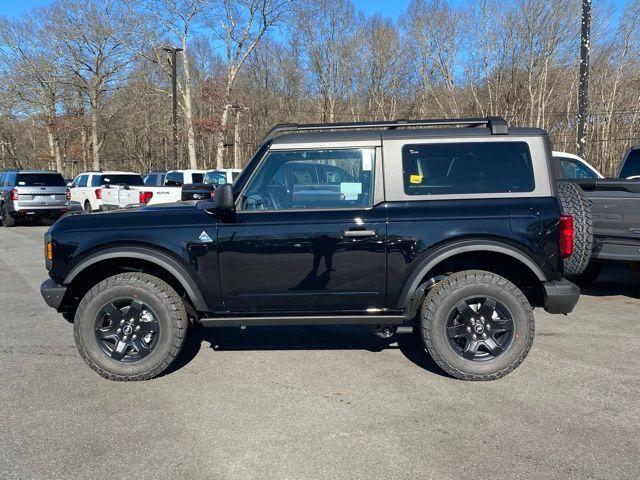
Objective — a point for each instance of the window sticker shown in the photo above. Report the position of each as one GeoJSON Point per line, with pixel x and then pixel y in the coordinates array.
{"type": "Point", "coordinates": [350, 190]}
{"type": "Point", "coordinates": [367, 160]}
{"type": "Point", "coordinates": [415, 179]}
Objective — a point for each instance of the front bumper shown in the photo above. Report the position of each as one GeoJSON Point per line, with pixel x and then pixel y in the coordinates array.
{"type": "Point", "coordinates": [53, 293]}
{"type": "Point", "coordinates": [560, 296]}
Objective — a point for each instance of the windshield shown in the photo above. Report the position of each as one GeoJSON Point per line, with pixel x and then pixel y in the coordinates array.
{"type": "Point", "coordinates": [40, 180]}
{"type": "Point", "coordinates": [631, 166]}
{"type": "Point", "coordinates": [215, 178]}
{"type": "Point", "coordinates": [121, 179]}
{"type": "Point", "coordinates": [574, 170]}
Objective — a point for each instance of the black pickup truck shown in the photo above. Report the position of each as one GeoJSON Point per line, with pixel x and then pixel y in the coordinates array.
{"type": "Point", "coordinates": [457, 231]}
{"type": "Point", "coordinates": [615, 208]}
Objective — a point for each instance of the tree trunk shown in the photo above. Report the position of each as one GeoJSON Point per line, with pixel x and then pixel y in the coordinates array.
{"type": "Point", "coordinates": [224, 121]}
{"type": "Point", "coordinates": [54, 145]}
{"type": "Point", "coordinates": [95, 144]}
{"type": "Point", "coordinates": [188, 109]}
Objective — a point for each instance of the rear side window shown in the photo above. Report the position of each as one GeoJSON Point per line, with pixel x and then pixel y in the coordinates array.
{"type": "Point", "coordinates": [40, 180]}
{"type": "Point", "coordinates": [197, 177]}
{"type": "Point", "coordinates": [467, 168]}
{"type": "Point", "coordinates": [2, 177]}
{"type": "Point", "coordinates": [631, 165]}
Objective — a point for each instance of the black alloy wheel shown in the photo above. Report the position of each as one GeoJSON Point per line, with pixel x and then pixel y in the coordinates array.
{"type": "Point", "coordinates": [480, 328]}
{"type": "Point", "coordinates": [127, 330]}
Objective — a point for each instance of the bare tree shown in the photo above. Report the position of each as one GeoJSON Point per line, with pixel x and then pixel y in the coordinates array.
{"type": "Point", "coordinates": [32, 54]}
{"type": "Point", "coordinates": [240, 25]}
{"type": "Point", "coordinates": [101, 39]}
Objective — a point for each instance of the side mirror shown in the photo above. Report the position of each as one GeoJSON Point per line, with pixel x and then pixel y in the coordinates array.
{"type": "Point", "coordinates": [223, 199]}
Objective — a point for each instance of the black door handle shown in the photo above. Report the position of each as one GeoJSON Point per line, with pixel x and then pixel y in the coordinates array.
{"type": "Point", "coordinates": [359, 233]}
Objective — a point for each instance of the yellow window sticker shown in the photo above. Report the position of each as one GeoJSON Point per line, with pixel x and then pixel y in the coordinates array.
{"type": "Point", "coordinates": [415, 179]}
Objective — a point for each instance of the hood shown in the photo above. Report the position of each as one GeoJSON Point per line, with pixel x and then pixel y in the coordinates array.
{"type": "Point", "coordinates": [154, 216]}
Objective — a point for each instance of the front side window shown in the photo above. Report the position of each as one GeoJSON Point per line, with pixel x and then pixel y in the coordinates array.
{"type": "Point", "coordinates": [312, 179]}
{"type": "Point", "coordinates": [467, 168]}
{"type": "Point", "coordinates": [631, 165]}
{"type": "Point", "coordinates": [2, 176]}
{"type": "Point", "coordinates": [151, 179]}
{"type": "Point", "coordinates": [574, 170]}
{"type": "Point", "coordinates": [82, 181]}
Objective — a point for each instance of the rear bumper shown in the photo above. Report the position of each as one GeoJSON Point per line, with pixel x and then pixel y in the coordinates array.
{"type": "Point", "coordinates": [38, 212]}
{"type": "Point", "coordinates": [616, 249]}
{"type": "Point", "coordinates": [560, 296]}
{"type": "Point", "coordinates": [53, 293]}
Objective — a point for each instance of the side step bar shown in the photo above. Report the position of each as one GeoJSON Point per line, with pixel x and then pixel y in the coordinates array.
{"type": "Point", "coordinates": [304, 320]}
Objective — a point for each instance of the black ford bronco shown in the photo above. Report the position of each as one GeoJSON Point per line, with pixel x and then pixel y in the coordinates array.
{"type": "Point", "coordinates": [456, 230]}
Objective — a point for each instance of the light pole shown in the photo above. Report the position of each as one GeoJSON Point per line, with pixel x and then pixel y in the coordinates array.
{"type": "Point", "coordinates": [174, 86]}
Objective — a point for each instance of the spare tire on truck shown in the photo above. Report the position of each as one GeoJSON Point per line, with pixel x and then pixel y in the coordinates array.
{"type": "Point", "coordinates": [574, 202]}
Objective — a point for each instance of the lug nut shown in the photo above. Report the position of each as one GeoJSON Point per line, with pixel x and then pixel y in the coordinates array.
{"type": "Point", "coordinates": [475, 336]}
{"type": "Point", "coordinates": [125, 338]}
{"type": "Point", "coordinates": [134, 337]}
{"type": "Point", "coordinates": [119, 330]}
{"type": "Point", "coordinates": [488, 327]}
{"type": "Point", "coordinates": [122, 322]}
{"type": "Point", "coordinates": [137, 328]}
{"type": "Point", "coordinates": [482, 318]}
{"type": "Point", "coordinates": [484, 335]}
{"type": "Point", "coordinates": [469, 329]}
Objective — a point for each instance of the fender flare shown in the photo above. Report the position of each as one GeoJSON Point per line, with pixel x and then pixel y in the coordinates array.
{"type": "Point", "coordinates": [449, 250]}
{"type": "Point", "coordinates": [156, 257]}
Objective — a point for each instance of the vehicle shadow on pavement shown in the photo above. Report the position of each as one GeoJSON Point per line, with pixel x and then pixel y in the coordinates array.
{"type": "Point", "coordinates": [302, 338]}
{"type": "Point", "coordinates": [615, 279]}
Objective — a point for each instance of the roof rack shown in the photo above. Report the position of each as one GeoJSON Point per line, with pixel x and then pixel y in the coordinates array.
{"type": "Point", "coordinates": [497, 125]}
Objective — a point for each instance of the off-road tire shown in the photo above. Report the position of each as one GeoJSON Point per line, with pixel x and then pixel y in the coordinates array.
{"type": "Point", "coordinates": [6, 219]}
{"type": "Point", "coordinates": [159, 295]}
{"type": "Point", "coordinates": [440, 302]}
{"type": "Point", "coordinates": [575, 203]}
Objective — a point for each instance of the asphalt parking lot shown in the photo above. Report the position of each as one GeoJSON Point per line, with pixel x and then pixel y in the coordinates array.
{"type": "Point", "coordinates": [317, 402]}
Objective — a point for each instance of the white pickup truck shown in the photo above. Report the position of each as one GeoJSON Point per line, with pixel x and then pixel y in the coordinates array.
{"type": "Point", "coordinates": [138, 194]}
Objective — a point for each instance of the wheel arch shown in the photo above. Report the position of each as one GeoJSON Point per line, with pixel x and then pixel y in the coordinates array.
{"type": "Point", "coordinates": [160, 260]}
{"type": "Point", "coordinates": [413, 290]}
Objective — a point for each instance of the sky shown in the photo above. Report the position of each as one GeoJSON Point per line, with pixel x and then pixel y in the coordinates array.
{"type": "Point", "coordinates": [388, 8]}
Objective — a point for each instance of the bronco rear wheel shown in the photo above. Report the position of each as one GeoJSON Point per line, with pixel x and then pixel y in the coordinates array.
{"type": "Point", "coordinates": [477, 325]}
{"type": "Point", "coordinates": [130, 327]}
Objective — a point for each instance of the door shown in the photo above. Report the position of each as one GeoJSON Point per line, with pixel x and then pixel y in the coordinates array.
{"type": "Point", "coordinates": [306, 241]}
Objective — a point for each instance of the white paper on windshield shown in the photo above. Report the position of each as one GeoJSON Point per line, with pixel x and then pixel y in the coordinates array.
{"type": "Point", "coordinates": [350, 190]}
{"type": "Point", "coordinates": [367, 160]}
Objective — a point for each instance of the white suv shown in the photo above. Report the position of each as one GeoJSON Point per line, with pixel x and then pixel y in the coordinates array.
{"type": "Point", "coordinates": [86, 189]}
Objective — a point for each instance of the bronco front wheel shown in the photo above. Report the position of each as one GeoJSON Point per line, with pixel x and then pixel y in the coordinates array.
{"type": "Point", "coordinates": [130, 327]}
{"type": "Point", "coordinates": [477, 325]}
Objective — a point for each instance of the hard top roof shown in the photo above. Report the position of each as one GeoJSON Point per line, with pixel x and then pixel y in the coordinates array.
{"type": "Point", "coordinates": [379, 135]}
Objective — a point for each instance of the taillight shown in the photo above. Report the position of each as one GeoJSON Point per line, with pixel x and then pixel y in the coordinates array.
{"type": "Point", "coordinates": [565, 241]}
{"type": "Point", "coordinates": [98, 193]}
{"type": "Point", "coordinates": [14, 195]}
{"type": "Point", "coordinates": [68, 194]}
{"type": "Point", "coordinates": [213, 194]}
{"type": "Point", "coordinates": [145, 197]}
